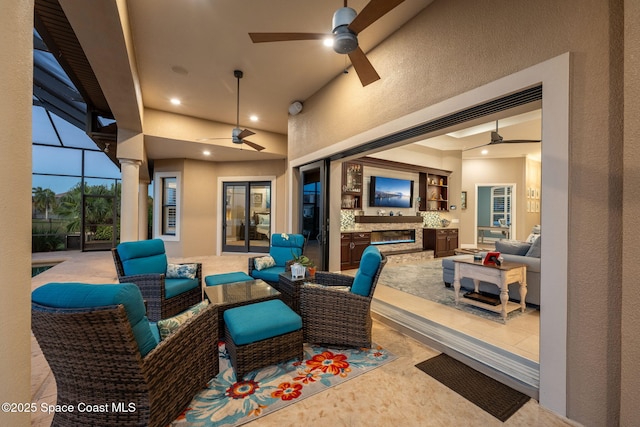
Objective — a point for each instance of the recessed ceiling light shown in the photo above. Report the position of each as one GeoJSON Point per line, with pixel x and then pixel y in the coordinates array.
{"type": "Point", "coordinates": [206, 152]}
{"type": "Point", "coordinates": [328, 42]}
{"type": "Point", "coordinates": [175, 101]}
{"type": "Point", "coordinates": [484, 152]}
{"type": "Point", "coordinates": [253, 118]}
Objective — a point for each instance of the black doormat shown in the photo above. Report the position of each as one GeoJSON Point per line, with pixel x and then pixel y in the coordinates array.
{"type": "Point", "coordinates": [488, 394]}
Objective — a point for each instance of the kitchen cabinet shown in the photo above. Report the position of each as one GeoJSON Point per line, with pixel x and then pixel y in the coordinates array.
{"type": "Point", "coordinates": [442, 241]}
{"type": "Point", "coordinates": [352, 245]}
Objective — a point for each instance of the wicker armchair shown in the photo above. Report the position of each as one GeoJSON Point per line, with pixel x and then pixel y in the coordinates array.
{"type": "Point", "coordinates": [96, 360]}
{"type": "Point", "coordinates": [336, 309]}
{"type": "Point", "coordinates": [149, 275]}
{"type": "Point", "coordinates": [282, 250]}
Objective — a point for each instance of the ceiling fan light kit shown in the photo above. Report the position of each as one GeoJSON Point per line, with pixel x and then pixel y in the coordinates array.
{"type": "Point", "coordinates": [344, 40]}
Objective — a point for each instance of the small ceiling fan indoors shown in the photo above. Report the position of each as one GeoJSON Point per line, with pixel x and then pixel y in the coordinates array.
{"type": "Point", "coordinates": [347, 24]}
{"type": "Point", "coordinates": [238, 135]}
{"type": "Point", "coordinates": [496, 138]}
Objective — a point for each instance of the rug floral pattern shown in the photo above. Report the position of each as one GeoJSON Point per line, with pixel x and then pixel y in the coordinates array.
{"type": "Point", "coordinates": [227, 402]}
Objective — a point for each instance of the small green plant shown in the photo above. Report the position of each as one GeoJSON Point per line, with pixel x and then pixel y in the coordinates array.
{"type": "Point", "coordinates": [302, 259]}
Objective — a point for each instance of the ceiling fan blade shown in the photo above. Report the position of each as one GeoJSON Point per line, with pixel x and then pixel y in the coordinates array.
{"type": "Point", "coordinates": [373, 11]}
{"type": "Point", "coordinates": [253, 145]}
{"type": "Point", "coordinates": [284, 37]}
{"type": "Point", "coordinates": [245, 133]}
{"type": "Point", "coordinates": [478, 146]}
{"type": "Point", "coordinates": [363, 67]}
{"type": "Point", "coordinates": [520, 141]}
{"type": "Point", "coordinates": [209, 139]}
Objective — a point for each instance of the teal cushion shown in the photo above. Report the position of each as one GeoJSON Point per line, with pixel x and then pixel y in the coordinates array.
{"type": "Point", "coordinates": [369, 264]}
{"type": "Point", "coordinates": [174, 287]}
{"type": "Point", "coordinates": [271, 274]}
{"type": "Point", "coordinates": [257, 322]}
{"type": "Point", "coordinates": [283, 249]}
{"type": "Point", "coordinates": [143, 257]}
{"type": "Point", "coordinates": [221, 279]}
{"type": "Point", "coordinates": [81, 295]}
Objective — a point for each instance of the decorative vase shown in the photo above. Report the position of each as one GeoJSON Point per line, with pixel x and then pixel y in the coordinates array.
{"type": "Point", "coordinates": [298, 271]}
{"type": "Point", "coordinates": [312, 272]}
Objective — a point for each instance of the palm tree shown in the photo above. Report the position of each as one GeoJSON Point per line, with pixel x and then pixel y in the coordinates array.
{"type": "Point", "coordinates": [44, 199]}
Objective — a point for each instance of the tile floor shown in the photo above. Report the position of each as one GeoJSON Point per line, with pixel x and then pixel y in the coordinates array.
{"type": "Point", "coordinates": [403, 395]}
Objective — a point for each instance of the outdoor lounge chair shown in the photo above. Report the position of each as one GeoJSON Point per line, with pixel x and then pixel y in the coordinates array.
{"type": "Point", "coordinates": [336, 308]}
{"type": "Point", "coordinates": [283, 249]}
{"type": "Point", "coordinates": [108, 364]}
{"type": "Point", "coordinates": [145, 264]}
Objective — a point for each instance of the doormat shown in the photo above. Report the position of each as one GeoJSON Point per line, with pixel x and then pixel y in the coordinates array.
{"type": "Point", "coordinates": [488, 394]}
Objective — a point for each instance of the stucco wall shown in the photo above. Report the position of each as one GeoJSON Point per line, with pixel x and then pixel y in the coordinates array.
{"type": "Point", "coordinates": [16, 68]}
{"type": "Point", "coordinates": [453, 47]}
{"type": "Point", "coordinates": [199, 215]}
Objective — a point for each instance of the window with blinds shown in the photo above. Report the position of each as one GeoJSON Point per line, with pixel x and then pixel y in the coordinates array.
{"type": "Point", "coordinates": [169, 205]}
{"type": "Point", "coordinates": [501, 206]}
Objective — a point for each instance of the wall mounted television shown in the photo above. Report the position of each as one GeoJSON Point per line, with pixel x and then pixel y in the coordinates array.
{"type": "Point", "coordinates": [390, 192]}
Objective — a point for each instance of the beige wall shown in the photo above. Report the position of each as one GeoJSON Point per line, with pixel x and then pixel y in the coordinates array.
{"type": "Point", "coordinates": [495, 171]}
{"type": "Point", "coordinates": [200, 199]}
{"type": "Point", "coordinates": [453, 47]}
{"type": "Point", "coordinates": [16, 69]}
{"type": "Point", "coordinates": [630, 248]}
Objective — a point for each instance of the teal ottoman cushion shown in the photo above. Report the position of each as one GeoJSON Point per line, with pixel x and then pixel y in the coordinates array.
{"type": "Point", "coordinates": [81, 295]}
{"type": "Point", "coordinates": [260, 321]}
{"type": "Point", "coordinates": [224, 278]}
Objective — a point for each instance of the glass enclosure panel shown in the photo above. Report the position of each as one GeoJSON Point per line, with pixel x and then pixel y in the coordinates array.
{"type": "Point", "coordinates": [42, 130]}
{"type": "Point", "coordinates": [56, 160]}
{"type": "Point", "coordinates": [100, 219]}
{"type": "Point", "coordinates": [98, 164]}
{"type": "Point", "coordinates": [71, 135]}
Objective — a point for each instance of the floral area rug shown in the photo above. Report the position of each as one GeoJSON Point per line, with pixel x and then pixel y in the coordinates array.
{"type": "Point", "coordinates": [227, 402]}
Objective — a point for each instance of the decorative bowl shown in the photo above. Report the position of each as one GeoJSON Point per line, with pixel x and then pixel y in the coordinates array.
{"type": "Point", "coordinates": [445, 222]}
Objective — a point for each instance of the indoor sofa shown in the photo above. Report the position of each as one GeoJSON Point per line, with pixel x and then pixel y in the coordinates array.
{"type": "Point", "coordinates": [513, 251]}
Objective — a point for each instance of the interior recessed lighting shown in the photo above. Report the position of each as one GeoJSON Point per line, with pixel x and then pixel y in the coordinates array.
{"type": "Point", "coordinates": [175, 101]}
{"type": "Point", "coordinates": [328, 42]}
{"type": "Point", "coordinates": [253, 118]}
{"type": "Point", "coordinates": [484, 152]}
{"type": "Point", "coordinates": [206, 152]}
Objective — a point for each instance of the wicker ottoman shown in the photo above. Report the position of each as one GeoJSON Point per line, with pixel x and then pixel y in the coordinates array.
{"type": "Point", "coordinates": [262, 334]}
{"type": "Point", "coordinates": [224, 278]}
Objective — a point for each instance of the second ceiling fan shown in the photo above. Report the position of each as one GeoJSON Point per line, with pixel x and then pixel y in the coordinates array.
{"type": "Point", "coordinates": [346, 26]}
{"type": "Point", "coordinates": [238, 135]}
{"type": "Point", "coordinates": [496, 138]}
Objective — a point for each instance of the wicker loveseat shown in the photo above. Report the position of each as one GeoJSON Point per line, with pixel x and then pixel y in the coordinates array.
{"type": "Point", "coordinates": [336, 309]}
{"type": "Point", "coordinates": [145, 264]}
{"type": "Point", "coordinates": [108, 365]}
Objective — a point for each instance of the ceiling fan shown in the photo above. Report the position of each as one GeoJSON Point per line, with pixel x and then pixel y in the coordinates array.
{"type": "Point", "coordinates": [347, 24]}
{"type": "Point", "coordinates": [238, 135]}
{"type": "Point", "coordinates": [496, 138]}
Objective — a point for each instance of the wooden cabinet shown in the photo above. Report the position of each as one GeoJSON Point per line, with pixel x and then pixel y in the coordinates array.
{"type": "Point", "coordinates": [352, 245]}
{"type": "Point", "coordinates": [442, 241]}
{"type": "Point", "coordinates": [434, 191]}
{"type": "Point", "coordinates": [352, 183]}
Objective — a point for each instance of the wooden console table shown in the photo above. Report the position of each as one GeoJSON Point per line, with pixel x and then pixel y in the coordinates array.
{"type": "Point", "coordinates": [501, 276]}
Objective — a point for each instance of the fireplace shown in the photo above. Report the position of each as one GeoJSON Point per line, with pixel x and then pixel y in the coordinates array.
{"type": "Point", "coordinates": [388, 237]}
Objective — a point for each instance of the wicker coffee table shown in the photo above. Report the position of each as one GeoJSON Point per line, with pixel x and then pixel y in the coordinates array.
{"type": "Point", "coordinates": [232, 295]}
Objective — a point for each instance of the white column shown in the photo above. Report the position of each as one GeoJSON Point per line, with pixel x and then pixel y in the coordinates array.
{"type": "Point", "coordinates": [129, 199]}
{"type": "Point", "coordinates": [143, 210]}
{"type": "Point", "coordinates": [16, 87]}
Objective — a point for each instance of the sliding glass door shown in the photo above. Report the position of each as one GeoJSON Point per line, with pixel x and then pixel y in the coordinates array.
{"type": "Point", "coordinates": [247, 221]}
{"type": "Point", "coordinates": [313, 213]}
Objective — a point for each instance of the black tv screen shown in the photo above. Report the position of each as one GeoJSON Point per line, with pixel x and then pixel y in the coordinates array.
{"type": "Point", "coordinates": [390, 192]}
